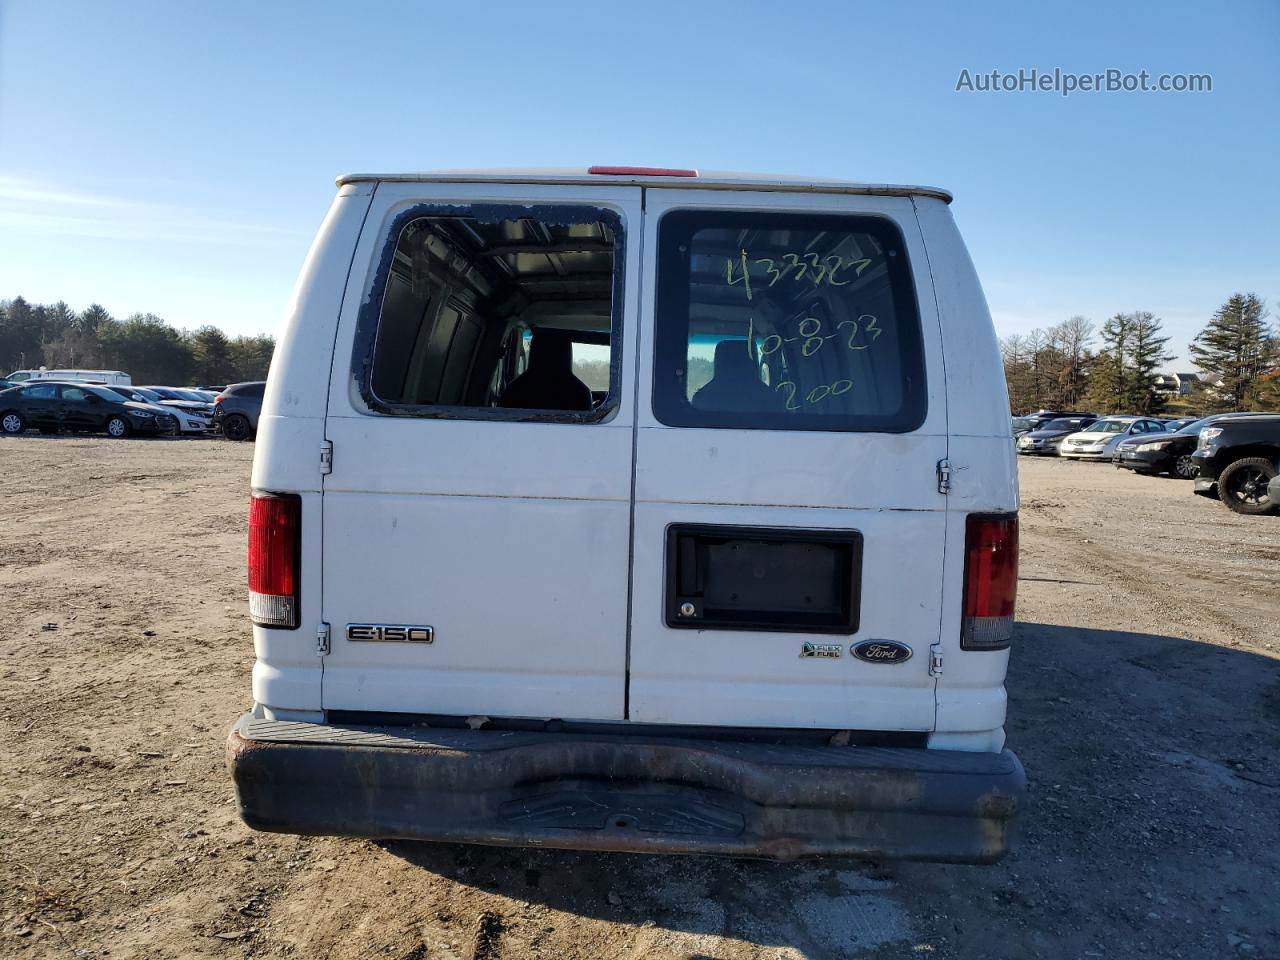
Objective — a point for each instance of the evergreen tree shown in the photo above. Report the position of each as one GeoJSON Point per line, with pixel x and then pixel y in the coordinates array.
{"type": "Point", "coordinates": [250, 358]}
{"type": "Point", "coordinates": [1235, 350]}
{"type": "Point", "coordinates": [144, 345]}
{"type": "Point", "coordinates": [59, 318]}
{"type": "Point", "coordinates": [1111, 381]}
{"type": "Point", "coordinates": [1148, 355]}
{"type": "Point", "coordinates": [20, 337]}
{"type": "Point", "coordinates": [147, 348]}
{"type": "Point", "coordinates": [211, 356]}
{"type": "Point", "coordinates": [93, 318]}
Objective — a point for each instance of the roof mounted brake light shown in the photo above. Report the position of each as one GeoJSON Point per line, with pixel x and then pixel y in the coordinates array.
{"type": "Point", "coordinates": [641, 172]}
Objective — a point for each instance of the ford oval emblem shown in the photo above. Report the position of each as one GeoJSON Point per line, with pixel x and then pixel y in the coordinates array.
{"type": "Point", "coordinates": [881, 651]}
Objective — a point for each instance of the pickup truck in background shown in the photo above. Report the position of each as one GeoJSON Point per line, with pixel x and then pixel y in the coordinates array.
{"type": "Point", "coordinates": [1238, 461]}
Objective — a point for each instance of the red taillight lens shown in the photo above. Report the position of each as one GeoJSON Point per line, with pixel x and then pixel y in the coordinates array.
{"type": "Point", "coordinates": [218, 398]}
{"type": "Point", "coordinates": [274, 535]}
{"type": "Point", "coordinates": [990, 581]}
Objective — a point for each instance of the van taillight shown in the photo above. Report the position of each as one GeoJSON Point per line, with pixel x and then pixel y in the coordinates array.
{"type": "Point", "coordinates": [990, 581]}
{"type": "Point", "coordinates": [274, 535]}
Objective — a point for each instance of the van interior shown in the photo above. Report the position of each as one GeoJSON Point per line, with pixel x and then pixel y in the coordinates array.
{"type": "Point", "coordinates": [506, 313]}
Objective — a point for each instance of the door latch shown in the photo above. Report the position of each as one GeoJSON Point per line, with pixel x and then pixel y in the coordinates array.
{"type": "Point", "coordinates": [944, 476]}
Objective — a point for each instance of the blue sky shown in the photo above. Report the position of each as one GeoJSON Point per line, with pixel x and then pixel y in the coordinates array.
{"type": "Point", "coordinates": [176, 158]}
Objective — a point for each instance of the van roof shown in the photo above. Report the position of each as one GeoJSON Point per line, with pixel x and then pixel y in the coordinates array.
{"type": "Point", "coordinates": [700, 180]}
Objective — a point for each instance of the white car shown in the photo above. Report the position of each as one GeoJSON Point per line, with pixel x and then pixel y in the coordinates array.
{"type": "Point", "coordinates": [1100, 440]}
{"type": "Point", "coordinates": [190, 419]}
{"type": "Point", "coordinates": [635, 509]}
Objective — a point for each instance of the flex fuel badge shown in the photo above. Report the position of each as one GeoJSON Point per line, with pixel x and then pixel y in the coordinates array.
{"type": "Point", "coordinates": [827, 650]}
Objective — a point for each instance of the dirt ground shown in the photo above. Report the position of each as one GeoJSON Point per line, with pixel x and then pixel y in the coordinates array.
{"type": "Point", "coordinates": [1144, 701]}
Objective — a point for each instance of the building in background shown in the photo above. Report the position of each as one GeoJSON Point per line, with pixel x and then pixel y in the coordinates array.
{"type": "Point", "coordinates": [1176, 384]}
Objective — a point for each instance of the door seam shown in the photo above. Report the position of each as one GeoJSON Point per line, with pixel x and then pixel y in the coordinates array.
{"type": "Point", "coordinates": [638, 323]}
{"type": "Point", "coordinates": [946, 406]}
{"type": "Point", "coordinates": [324, 429]}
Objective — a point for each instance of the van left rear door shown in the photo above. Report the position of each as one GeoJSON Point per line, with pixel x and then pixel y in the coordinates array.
{"type": "Point", "coordinates": [477, 516]}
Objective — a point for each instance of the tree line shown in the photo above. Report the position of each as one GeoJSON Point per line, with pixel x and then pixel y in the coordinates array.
{"type": "Point", "coordinates": [143, 345]}
{"type": "Point", "coordinates": [1114, 369]}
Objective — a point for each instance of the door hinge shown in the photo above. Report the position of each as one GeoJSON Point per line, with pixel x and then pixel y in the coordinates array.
{"type": "Point", "coordinates": [944, 476]}
{"type": "Point", "coordinates": [322, 640]}
{"type": "Point", "coordinates": [326, 457]}
{"type": "Point", "coordinates": [935, 660]}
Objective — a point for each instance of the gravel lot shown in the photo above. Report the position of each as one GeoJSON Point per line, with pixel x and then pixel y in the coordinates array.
{"type": "Point", "coordinates": [1144, 701]}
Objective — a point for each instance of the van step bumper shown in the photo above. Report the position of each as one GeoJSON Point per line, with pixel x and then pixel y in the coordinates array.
{"type": "Point", "coordinates": [624, 793]}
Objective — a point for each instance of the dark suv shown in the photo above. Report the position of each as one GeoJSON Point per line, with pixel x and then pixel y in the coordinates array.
{"type": "Point", "coordinates": [1167, 453]}
{"type": "Point", "coordinates": [1238, 457]}
{"type": "Point", "coordinates": [52, 407]}
{"type": "Point", "coordinates": [236, 409]}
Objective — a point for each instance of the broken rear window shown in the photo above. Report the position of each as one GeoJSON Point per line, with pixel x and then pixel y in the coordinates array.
{"type": "Point", "coordinates": [507, 313]}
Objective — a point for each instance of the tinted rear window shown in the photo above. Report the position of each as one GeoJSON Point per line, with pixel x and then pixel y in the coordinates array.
{"type": "Point", "coordinates": [786, 321]}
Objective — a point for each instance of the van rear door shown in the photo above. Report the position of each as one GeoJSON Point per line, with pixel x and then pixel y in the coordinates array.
{"type": "Point", "coordinates": [477, 516]}
{"type": "Point", "coordinates": [789, 528]}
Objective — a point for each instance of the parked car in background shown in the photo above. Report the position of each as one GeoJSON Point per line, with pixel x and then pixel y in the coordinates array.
{"type": "Point", "coordinates": [173, 396]}
{"type": "Point", "coordinates": [1042, 417]}
{"type": "Point", "coordinates": [1170, 453]}
{"type": "Point", "coordinates": [74, 376]}
{"type": "Point", "coordinates": [52, 407]}
{"type": "Point", "coordinates": [195, 394]}
{"type": "Point", "coordinates": [1044, 441]}
{"type": "Point", "coordinates": [191, 419]}
{"type": "Point", "coordinates": [1099, 440]}
{"type": "Point", "coordinates": [1020, 426]}
{"type": "Point", "coordinates": [1238, 457]}
{"type": "Point", "coordinates": [236, 409]}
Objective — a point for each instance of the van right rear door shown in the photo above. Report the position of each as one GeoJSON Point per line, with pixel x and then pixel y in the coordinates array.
{"type": "Point", "coordinates": [789, 530]}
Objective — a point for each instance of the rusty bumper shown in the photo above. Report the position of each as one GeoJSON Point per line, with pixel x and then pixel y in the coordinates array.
{"type": "Point", "coordinates": [624, 793]}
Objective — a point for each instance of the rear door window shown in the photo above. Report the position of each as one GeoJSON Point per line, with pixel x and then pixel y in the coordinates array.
{"type": "Point", "coordinates": [787, 322]}
{"type": "Point", "coordinates": [508, 313]}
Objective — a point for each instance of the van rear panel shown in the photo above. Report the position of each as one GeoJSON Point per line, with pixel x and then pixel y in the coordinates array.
{"type": "Point", "coordinates": [537, 545]}
{"type": "Point", "coordinates": [534, 544]}
{"type": "Point", "coordinates": [625, 509]}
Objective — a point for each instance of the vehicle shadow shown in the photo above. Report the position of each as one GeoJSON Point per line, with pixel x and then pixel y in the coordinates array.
{"type": "Point", "coordinates": [1148, 756]}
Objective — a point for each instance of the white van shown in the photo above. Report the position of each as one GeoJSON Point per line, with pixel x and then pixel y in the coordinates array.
{"type": "Point", "coordinates": [635, 509]}
{"type": "Point", "coordinates": [108, 377]}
